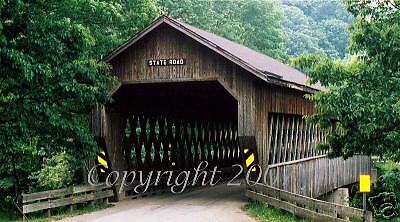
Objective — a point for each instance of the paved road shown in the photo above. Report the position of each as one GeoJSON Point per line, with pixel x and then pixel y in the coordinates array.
{"type": "Point", "coordinates": [220, 203]}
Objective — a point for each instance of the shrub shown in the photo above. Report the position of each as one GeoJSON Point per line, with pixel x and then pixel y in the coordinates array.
{"type": "Point", "coordinates": [390, 181]}
{"type": "Point", "coordinates": [57, 172]}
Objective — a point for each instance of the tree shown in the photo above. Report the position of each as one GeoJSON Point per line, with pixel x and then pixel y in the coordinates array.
{"type": "Point", "coordinates": [303, 37]}
{"type": "Point", "coordinates": [51, 76]}
{"type": "Point", "coordinates": [111, 22]}
{"type": "Point", "coordinates": [254, 23]}
{"type": "Point", "coordinates": [363, 94]}
{"type": "Point", "coordinates": [317, 26]}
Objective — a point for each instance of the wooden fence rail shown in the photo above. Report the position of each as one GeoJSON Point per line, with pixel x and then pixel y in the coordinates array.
{"type": "Point", "coordinates": [315, 176]}
{"type": "Point", "coordinates": [305, 207]}
{"type": "Point", "coordinates": [47, 200]}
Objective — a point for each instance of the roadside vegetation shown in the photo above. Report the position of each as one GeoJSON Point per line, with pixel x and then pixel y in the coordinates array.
{"type": "Point", "coordinates": [361, 104]}
{"type": "Point", "coordinates": [51, 76]}
{"type": "Point", "coordinates": [388, 183]}
{"type": "Point", "coordinates": [265, 213]}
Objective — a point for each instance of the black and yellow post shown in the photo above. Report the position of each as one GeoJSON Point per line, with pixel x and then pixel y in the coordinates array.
{"type": "Point", "coordinates": [248, 148]}
{"type": "Point", "coordinates": [102, 161]}
{"type": "Point", "coordinates": [104, 166]}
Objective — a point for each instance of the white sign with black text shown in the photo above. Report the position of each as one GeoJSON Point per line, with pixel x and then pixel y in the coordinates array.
{"type": "Point", "coordinates": [166, 62]}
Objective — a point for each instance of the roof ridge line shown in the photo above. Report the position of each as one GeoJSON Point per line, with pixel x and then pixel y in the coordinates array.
{"type": "Point", "coordinates": [261, 72]}
{"type": "Point", "coordinates": [186, 29]}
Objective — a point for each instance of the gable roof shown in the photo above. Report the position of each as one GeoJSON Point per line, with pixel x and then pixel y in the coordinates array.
{"type": "Point", "coordinates": [260, 65]}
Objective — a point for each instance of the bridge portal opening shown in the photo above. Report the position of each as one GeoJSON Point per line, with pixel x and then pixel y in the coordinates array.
{"type": "Point", "coordinates": [174, 127]}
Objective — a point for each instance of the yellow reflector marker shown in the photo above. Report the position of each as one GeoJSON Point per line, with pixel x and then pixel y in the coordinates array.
{"type": "Point", "coordinates": [249, 161]}
{"type": "Point", "coordinates": [102, 161]}
{"type": "Point", "coordinates": [246, 150]}
{"type": "Point", "coordinates": [365, 183]}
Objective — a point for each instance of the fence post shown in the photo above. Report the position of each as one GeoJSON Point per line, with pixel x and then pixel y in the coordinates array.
{"type": "Point", "coordinates": [367, 216]}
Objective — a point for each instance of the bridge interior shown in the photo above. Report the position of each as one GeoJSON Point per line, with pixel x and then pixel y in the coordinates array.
{"type": "Point", "coordinates": [175, 126]}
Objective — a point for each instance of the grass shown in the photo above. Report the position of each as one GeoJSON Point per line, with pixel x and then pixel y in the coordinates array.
{"type": "Point", "coordinates": [265, 213]}
{"type": "Point", "coordinates": [396, 219]}
{"type": "Point", "coordinates": [58, 214]}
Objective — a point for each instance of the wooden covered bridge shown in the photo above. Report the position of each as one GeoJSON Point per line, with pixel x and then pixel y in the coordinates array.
{"type": "Point", "coordinates": [186, 95]}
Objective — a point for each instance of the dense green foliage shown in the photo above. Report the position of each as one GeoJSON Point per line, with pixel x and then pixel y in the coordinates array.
{"type": "Point", "coordinates": [57, 172]}
{"type": "Point", "coordinates": [254, 23]}
{"type": "Point", "coordinates": [363, 94]}
{"type": "Point", "coordinates": [317, 26]}
{"type": "Point", "coordinates": [389, 179]}
{"type": "Point", "coordinates": [110, 22]}
{"type": "Point", "coordinates": [50, 78]}
{"type": "Point", "coordinates": [388, 182]}
{"type": "Point", "coordinates": [277, 28]}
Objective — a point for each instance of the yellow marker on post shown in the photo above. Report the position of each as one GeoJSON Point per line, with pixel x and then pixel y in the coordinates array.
{"type": "Point", "coordinates": [249, 160]}
{"type": "Point", "coordinates": [365, 187]}
{"type": "Point", "coordinates": [102, 161]}
{"type": "Point", "coordinates": [365, 183]}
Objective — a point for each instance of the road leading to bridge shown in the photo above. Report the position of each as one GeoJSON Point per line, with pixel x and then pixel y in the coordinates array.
{"type": "Point", "coordinates": [220, 203]}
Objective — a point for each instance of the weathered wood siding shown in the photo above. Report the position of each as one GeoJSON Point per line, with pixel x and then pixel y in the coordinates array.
{"type": "Point", "coordinates": [201, 64]}
{"type": "Point", "coordinates": [293, 138]}
{"type": "Point", "coordinates": [255, 97]}
{"type": "Point", "coordinates": [316, 176]}
{"type": "Point", "coordinates": [274, 99]}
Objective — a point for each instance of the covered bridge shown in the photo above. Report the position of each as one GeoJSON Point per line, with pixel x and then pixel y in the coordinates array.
{"type": "Point", "coordinates": [186, 95]}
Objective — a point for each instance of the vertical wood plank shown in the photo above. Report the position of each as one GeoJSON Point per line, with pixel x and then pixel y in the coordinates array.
{"type": "Point", "coordinates": [291, 143]}
{"type": "Point", "coordinates": [275, 149]}
{"type": "Point", "coordinates": [286, 141]}
{"type": "Point", "coordinates": [271, 138]}
{"type": "Point", "coordinates": [280, 139]}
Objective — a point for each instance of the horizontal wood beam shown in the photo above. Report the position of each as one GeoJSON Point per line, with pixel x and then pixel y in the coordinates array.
{"type": "Point", "coordinates": [292, 208]}
{"type": "Point", "coordinates": [297, 161]}
{"type": "Point", "coordinates": [304, 206]}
